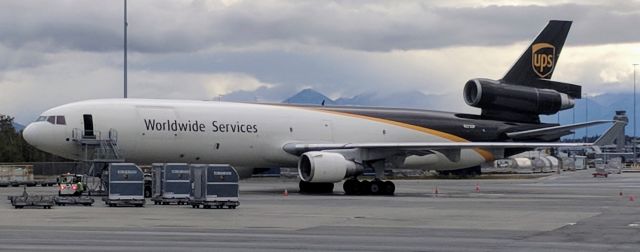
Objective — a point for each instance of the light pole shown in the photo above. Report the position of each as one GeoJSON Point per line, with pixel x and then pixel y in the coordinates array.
{"type": "Point", "coordinates": [573, 110]}
{"type": "Point", "coordinates": [633, 141]}
{"type": "Point", "coordinates": [125, 48]}
{"type": "Point", "coordinates": [586, 116]}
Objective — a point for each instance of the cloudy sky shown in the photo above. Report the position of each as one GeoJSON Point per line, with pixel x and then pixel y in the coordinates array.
{"type": "Point", "coordinates": [55, 52]}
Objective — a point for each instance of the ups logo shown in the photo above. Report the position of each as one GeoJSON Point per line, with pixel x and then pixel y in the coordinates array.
{"type": "Point", "coordinates": [542, 59]}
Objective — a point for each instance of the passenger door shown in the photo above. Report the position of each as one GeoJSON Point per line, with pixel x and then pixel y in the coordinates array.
{"type": "Point", "coordinates": [87, 120]}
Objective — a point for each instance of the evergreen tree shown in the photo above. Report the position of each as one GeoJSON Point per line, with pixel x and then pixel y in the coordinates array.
{"type": "Point", "coordinates": [10, 150]}
{"type": "Point", "coordinates": [13, 147]}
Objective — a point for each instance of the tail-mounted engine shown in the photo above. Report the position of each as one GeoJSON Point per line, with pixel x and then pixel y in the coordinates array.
{"type": "Point", "coordinates": [502, 101]}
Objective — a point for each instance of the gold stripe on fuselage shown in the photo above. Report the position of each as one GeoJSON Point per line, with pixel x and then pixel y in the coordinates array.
{"type": "Point", "coordinates": [488, 156]}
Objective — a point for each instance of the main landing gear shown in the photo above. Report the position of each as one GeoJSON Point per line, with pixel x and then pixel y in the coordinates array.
{"type": "Point", "coordinates": [315, 188]}
{"type": "Point", "coordinates": [351, 187]}
{"type": "Point", "coordinates": [374, 187]}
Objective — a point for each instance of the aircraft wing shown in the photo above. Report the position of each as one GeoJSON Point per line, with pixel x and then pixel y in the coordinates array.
{"type": "Point", "coordinates": [299, 148]}
{"type": "Point", "coordinates": [452, 149]}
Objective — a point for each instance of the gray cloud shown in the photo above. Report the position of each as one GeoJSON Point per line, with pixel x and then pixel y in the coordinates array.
{"type": "Point", "coordinates": [177, 26]}
{"type": "Point", "coordinates": [269, 50]}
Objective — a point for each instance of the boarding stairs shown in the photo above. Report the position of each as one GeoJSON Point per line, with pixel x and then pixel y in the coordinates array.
{"type": "Point", "coordinates": [96, 149]}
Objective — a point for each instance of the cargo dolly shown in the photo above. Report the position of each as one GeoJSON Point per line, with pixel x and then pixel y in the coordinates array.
{"type": "Point", "coordinates": [600, 172]}
{"type": "Point", "coordinates": [214, 186]}
{"type": "Point", "coordinates": [170, 183]}
{"type": "Point", "coordinates": [126, 185]}
{"type": "Point", "coordinates": [169, 201]}
{"type": "Point", "coordinates": [219, 204]}
{"type": "Point", "coordinates": [73, 200]}
{"type": "Point", "coordinates": [123, 202]}
{"type": "Point", "coordinates": [26, 200]}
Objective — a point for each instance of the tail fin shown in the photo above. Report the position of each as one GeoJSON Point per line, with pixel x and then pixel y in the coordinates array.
{"type": "Point", "coordinates": [535, 67]}
{"type": "Point", "coordinates": [541, 57]}
{"type": "Point", "coordinates": [526, 91]}
{"type": "Point", "coordinates": [615, 134]}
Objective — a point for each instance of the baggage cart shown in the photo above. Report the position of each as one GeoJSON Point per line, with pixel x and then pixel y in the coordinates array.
{"type": "Point", "coordinates": [26, 200]}
{"type": "Point", "coordinates": [171, 183]}
{"type": "Point", "coordinates": [126, 185]}
{"type": "Point", "coordinates": [600, 172]}
{"type": "Point", "coordinates": [214, 186]}
{"type": "Point", "coordinates": [73, 200]}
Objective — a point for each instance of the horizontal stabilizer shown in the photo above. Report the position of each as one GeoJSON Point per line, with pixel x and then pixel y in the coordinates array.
{"type": "Point", "coordinates": [573, 90]}
{"type": "Point", "coordinates": [555, 130]}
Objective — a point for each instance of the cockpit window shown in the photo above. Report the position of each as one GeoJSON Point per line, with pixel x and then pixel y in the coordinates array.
{"type": "Point", "coordinates": [58, 120]}
{"type": "Point", "coordinates": [61, 120]}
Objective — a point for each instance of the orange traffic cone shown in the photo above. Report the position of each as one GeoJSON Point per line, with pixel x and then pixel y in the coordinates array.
{"type": "Point", "coordinates": [285, 193]}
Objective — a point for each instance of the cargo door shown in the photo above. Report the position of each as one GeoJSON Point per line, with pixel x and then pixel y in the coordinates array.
{"type": "Point", "coordinates": [87, 120]}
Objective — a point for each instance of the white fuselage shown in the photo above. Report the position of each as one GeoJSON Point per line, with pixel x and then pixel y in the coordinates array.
{"type": "Point", "coordinates": [241, 134]}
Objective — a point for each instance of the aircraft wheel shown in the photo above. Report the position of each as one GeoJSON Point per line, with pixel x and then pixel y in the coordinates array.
{"type": "Point", "coordinates": [351, 187]}
{"type": "Point", "coordinates": [388, 188]}
{"type": "Point", "coordinates": [305, 187]}
{"type": "Point", "coordinates": [308, 187]}
{"type": "Point", "coordinates": [365, 187]}
{"type": "Point", "coordinates": [375, 187]}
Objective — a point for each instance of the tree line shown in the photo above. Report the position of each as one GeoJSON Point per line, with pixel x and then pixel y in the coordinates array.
{"type": "Point", "coordinates": [14, 149]}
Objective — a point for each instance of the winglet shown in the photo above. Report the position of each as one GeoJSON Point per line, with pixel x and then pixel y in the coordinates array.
{"type": "Point", "coordinates": [612, 135]}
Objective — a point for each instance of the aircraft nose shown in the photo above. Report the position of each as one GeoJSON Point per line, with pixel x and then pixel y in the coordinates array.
{"type": "Point", "coordinates": [30, 135]}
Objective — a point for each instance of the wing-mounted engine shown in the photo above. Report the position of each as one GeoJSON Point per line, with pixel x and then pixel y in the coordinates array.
{"type": "Point", "coordinates": [326, 167]}
{"type": "Point", "coordinates": [510, 102]}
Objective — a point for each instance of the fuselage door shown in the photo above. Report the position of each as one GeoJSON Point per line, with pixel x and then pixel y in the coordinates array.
{"type": "Point", "coordinates": [88, 126]}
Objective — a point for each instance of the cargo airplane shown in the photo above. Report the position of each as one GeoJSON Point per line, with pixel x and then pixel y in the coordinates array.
{"type": "Point", "coordinates": [329, 144]}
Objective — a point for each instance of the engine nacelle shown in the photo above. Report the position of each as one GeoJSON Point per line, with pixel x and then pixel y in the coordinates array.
{"type": "Point", "coordinates": [493, 95]}
{"type": "Point", "coordinates": [326, 167]}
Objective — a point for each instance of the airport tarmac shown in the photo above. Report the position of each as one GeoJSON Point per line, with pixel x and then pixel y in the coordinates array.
{"type": "Point", "coordinates": [562, 212]}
